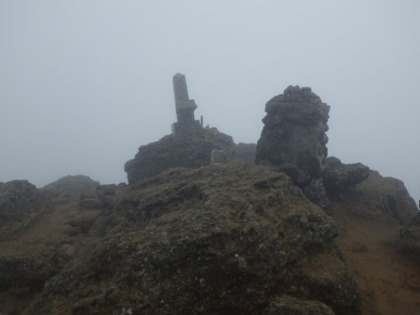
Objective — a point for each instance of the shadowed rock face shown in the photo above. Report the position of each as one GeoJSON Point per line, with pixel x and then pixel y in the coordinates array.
{"type": "Point", "coordinates": [388, 195]}
{"type": "Point", "coordinates": [374, 197]}
{"type": "Point", "coordinates": [339, 177]}
{"type": "Point", "coordinates": [294, 138]}
{"type": "Point", "coordinates": [191, 148]}
{"type": "Point", "coordinates": [20, 204]}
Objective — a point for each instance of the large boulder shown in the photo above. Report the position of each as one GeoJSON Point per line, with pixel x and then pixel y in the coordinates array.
{"type": "Point", "coordinates": [20, 204]}
{"type": "Point", "coordinates": [185, 149]}
{"type": "Point", "coordinates": [387, 196]}
{"type": "Point", "coordinates": [72, 185]}
{"type": "Point", "coordinates": [294, 134]}
{"type": "Point", "coordinates": [377, 197]}
{"type": "Point", "coordinates": [339, 177]}
{"type": "Point", "coordinates": [219, 239]}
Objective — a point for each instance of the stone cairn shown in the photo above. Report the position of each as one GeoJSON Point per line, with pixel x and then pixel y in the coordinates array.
{"type": "Point", "coordinates": [294, 139]}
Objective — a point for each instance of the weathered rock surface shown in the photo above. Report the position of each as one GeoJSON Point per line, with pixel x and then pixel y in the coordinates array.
{"type": "Point", "coordinates": [409, 241]}
{"type": "Point", "coordinates": [186, 149]}
{"type": "Point", "coordinates": [324, 277]}
{"type": "Point", "coordinates": [219, 239]}
{"type": "Point", "coordinates": [288, 305]}
{"type": "Point", "coordinates": [20, 204]}
{"type": "Point", "coordinates": [72, 185]}
{"type": "Point", "coordinates": [294, 133]}
{"type": "Point", "coordinates": [379, 197]}
{"type": "Point", "coordinates": [26, 273]}
{"type": "Point", "coordinates": [100, 197]}
{"type": "Point", "coordinates": [339, 177]}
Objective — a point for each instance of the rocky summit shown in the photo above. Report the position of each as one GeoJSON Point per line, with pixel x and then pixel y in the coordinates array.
{"type": "Point", "coordinates": [192, 148]}
{"type": "Point", "coordinates": [200, 229]}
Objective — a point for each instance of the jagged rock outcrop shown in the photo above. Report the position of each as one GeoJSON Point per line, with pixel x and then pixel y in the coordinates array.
{"type": "Point", "coordinates": [339, 177]}
{"type": "Point", "coordinates": [294, 138]}
{"type": "Point", "coordinates": [20, 204]}
{"type": "Point", "coordinates": [183, 149]}
{"type": "Point", "coordinates": [409, 241]}
{"type": "Point", "coordinates": [378, 197]}
{"type": "Point", "coordinates": [221, 239]}
{"type": "Point", "coordinates": [72, 185]}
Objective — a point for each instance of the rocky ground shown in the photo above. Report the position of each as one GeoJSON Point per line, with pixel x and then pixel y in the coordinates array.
{"type": "Point", "coordinates": [199, 230]}
{"type": "Point", "coordinates": [224, 239]}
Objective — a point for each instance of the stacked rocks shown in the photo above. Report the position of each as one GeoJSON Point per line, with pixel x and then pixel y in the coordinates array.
{"type": "Point", "coordinates": [294, 139]}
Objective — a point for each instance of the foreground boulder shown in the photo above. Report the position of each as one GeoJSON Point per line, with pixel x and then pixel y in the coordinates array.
{"type": "Point", "coordinates": [221, 239]}
{"type": "Point", "coordinates": [20, 204]}
{"type": "Point", "coordinates": [294, 139]}
{"type": "Point", "coordinates": [190, 148]}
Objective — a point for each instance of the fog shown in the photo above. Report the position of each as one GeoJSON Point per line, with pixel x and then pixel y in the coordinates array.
{"type": "Point", "coordinates": [84, 83]}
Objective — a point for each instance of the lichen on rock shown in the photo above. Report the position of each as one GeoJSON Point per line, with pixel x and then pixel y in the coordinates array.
{"type": "Point", "coordinates": [202, 240]}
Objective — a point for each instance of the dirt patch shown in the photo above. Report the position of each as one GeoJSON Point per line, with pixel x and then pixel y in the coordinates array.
{"type": "Point", "coordinates": [388, 282]}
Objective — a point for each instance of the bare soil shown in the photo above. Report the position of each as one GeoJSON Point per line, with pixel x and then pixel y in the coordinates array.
{"type": "Point", "coordinates": [388, 282]}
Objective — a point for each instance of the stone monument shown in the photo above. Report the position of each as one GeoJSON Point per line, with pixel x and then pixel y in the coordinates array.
{"type": "Point", "coordinates": [184, 106]}
{"type": "Point", "coordinates": [294, 139]}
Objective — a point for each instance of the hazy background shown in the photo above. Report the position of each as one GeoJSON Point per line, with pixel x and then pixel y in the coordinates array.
{"type": "Point", "coordinates": [84, 83]}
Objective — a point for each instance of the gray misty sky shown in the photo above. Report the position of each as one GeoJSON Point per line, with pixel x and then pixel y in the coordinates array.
{"type": "Point", "coordinates": [84, 83]}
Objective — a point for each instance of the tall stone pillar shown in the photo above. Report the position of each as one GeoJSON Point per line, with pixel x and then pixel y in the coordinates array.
{"type": "Point", "coordinates": [294, 139]}
{"type": "Point", "coordinates": [184, 106]}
